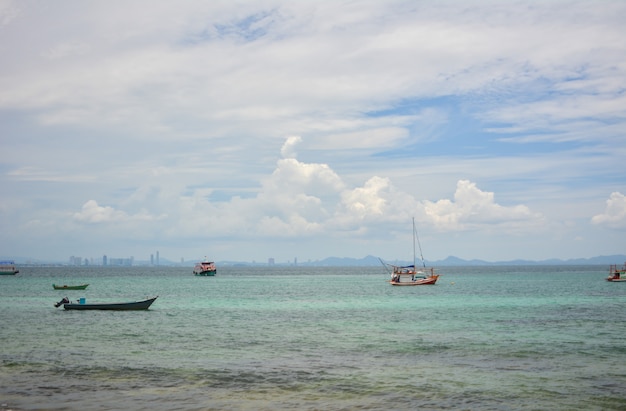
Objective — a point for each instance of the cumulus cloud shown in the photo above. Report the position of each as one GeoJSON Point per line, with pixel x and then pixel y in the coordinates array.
{"type": "Point", "coordinates": [378, 200]}
{"type": "Point", "coordinates": [614, 215]}
{"type": "Point", "coordinates": [308, 199]}
{"type": "Point", "coordinates": [289, 147]}
{"type": "Point", "coordinates": [297, 198]}
{"type": "Point", "coordinates": [91, 212]}
{"type": "Point", "coordinates": [473, 208]}
{"type": "Point", "coordinates": [297, 201]}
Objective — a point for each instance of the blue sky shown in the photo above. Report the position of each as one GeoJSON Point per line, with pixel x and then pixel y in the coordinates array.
{"type": "Point", "coordinates": [249, 130]}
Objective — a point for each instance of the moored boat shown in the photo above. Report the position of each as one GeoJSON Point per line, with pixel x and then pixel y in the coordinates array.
{"type": "Point", "coordinates": [82, 305]}
{"type": "Point", "coordinates": [8, 268]}
{"type": "Point", "coordinates": [205, 268]}
{"type": "Point", "coordinates": [409, 274]}
{"type": "Point", "coordinates": [617, 274]}
{"type": "Point", "coordinates": [69, 287]}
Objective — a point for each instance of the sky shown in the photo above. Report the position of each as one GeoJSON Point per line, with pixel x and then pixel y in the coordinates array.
{"type": "Point", "coordinates": [249, 130]}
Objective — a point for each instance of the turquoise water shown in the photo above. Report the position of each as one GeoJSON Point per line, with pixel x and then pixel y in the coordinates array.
{"type": "Point", "coordinates": [278, 338]}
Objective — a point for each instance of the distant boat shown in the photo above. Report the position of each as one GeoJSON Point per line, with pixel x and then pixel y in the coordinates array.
{"type": "Point", "coordinates": [8, 268]}
{"type": "Point", "coordinates": [617, 274]}
{"type": "Point", "coordinates": [69, 287]}
{"type": "Point", "coordinates": [409, 274]}
{"type": "Point", "coordinates": [205, 268]}
{"type": "Point", "coordinates": [81, 305]}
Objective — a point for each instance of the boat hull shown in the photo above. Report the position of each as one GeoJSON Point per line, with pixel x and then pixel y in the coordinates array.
{"type": "Point", "coordinates": [132, 306]}
{"type": "Point", "coordinates": [616, 280]}
{"type": "Point", "coordinates": [69, 287]}
{"type": "Point", "coordinates": [210, 273]}
{"type": "Point", "coordinates": [422, 281]}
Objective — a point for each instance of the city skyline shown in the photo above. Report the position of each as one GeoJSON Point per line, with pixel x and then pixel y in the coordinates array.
{"type": "Point", "coordinates": [369, 260]}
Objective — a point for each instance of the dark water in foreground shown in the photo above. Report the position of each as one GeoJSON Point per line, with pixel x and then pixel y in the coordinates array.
{"type": "Point", "coordinates": [483, 338]}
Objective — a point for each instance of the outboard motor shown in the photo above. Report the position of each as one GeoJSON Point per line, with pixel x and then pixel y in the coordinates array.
{"type": "Point", "coordinates": [65, 300]}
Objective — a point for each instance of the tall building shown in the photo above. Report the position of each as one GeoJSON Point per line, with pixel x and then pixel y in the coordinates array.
{"type": "Point", "coordinates": [76, 260]}
{"type": "Point", "coordinates": [104, 260]}
{"type": "Point", "coordinates": [122, 261]}
{"type": "Point", "coordinates": [270, 261]}
{"type": "Point", "coordinates": [157, 261]}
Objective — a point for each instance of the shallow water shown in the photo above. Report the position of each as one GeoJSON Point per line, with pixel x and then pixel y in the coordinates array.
{"type": "Point", "coordinates": [488, 338]}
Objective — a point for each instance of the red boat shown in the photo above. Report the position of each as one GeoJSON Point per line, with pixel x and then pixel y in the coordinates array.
{"type": "Point", "coordinates": [408, 274]}
{"type": "Point", "coordinates": [617, 274]}
{"type": "Point", "coordinates": [205, 268]}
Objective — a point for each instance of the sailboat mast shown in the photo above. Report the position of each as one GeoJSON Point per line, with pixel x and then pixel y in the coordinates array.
{"type": "Point", "coordinates": [419, 245]}
{"type": "Point", "coordinates": [414, 266]}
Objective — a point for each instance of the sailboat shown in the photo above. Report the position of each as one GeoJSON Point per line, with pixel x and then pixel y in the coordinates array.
{"type": "Point", "coordinates": [409, 274]}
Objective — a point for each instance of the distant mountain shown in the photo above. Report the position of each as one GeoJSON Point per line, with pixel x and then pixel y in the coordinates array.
{"type": "Point", "coordinates": [456, 261]}
{"type": "Point", "coordinates": [345, 261]}
{"type": "Point", "coordinates": [367, 261]}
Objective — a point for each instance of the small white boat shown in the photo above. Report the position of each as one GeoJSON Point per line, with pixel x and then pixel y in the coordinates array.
{"type": "Point", "coordinates": [8, 268]}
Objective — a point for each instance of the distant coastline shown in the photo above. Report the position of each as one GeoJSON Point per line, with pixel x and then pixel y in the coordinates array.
{"type": "Point", "coordinates": [367, 261]}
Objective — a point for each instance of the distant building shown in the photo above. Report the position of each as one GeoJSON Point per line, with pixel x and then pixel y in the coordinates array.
{"type": "Point", "coordinates": [157, 259]}
{"type": "Point", "coordinates": [121, 262]}
{"type": "Point", "coordinates": [151, 259]}
{"type": "Point", "coordinates": [270, 261]}
{"type": "Point", "coordinates": [104, 260]}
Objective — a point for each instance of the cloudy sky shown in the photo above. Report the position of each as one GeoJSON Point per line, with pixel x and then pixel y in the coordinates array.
{"type": "Point", "coordinates": [244, 130]}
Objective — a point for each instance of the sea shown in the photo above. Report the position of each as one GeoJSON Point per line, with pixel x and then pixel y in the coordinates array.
{"type": "Point", "coordinates": [315, 338]}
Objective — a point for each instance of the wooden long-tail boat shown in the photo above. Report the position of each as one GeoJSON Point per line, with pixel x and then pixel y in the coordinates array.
{"type": "Point", "coordinates": [69, 287]}
{"type": "Point", "coordinates": [81, 305]}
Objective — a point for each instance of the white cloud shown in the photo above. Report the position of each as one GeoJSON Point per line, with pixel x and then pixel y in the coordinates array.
{"type": "Point", "coordinates": [66, 49]}
{"type": "Point", "coordinates": [614, 215]}
{"type": "Point", "coordinates": [182, 109]}
{"type": "Point", "coordinates": [368, 137]}
{"type": "Point", "coordinates": [8, 12]}
{"type": "Point", "coordinates": [367, 200]}
{"type": "Point", "coordinates": [91, 212]}
{"type": "Point", "coordinates": [32, 173]}
{"type": "Point", "coordinates": [301, 199]}
{"type": "Point", "coordinates": [474, 209]}
{"type": "Point", "coordinates": [289, 148]}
